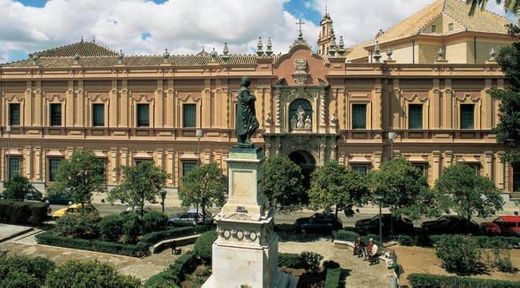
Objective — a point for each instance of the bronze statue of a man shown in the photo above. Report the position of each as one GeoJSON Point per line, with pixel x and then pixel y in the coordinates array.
{"type": "Point", "coordinates": [246, 122]}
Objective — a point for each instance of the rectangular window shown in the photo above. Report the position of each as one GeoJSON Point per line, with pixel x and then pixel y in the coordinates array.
{"type": "Point", "coordinates": [189, 115]}
{"type": "Point", "coordinates": [423, 167]}
{"type": "Point", "coordinates": [140, 160]}
{"type": "Point", "coordinates": [361, 169]}
{"type": "Point", "coordinates": [187, 166]}
{"type": "Point", "coordinates": [467, 116]}
{"type": "Point", "coordinates": [55, 114]}
{"type": "Point", "coordinates": [475, 166]}
{"type": "Point", "coordinates": [359, 116]}
{"type": "Point", "coordinates": [13, 166]}
{"type": "Point", "coordinates": [53, 168]}
{"type": "Point", "coordinates": [450, 27]}
{"type": "Point", "coordinates": [98, 115]}
{"type": "Point", "coordinates": [14, 114]}
{"type": "Point", "coordinates": [516, 177]}
{"type": "Point", "coordinates": [434, 28]}
{"type": "Point", "coordinates": [415, 116]}
{"type": "Point", "coordinates": [143, 115]}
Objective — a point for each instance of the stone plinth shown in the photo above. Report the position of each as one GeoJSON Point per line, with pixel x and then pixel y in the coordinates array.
{"type": "Point", "coordinates": [245, 255]}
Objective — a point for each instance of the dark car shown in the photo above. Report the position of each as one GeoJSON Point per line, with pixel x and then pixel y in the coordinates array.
{"type": "Point", "coordinates": [319, 223]}
{"type": "Point", "coordinates": [402, 225]}
{"type": "Point", "coordinates": [450, 224]}
{"type": "Point", "coordinates": [191, 217]}
{"type": "Point", "coordinates": [58, 199]}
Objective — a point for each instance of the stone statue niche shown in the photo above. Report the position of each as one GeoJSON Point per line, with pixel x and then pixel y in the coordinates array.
{"type": "Point", "coordinates": [300, 115]}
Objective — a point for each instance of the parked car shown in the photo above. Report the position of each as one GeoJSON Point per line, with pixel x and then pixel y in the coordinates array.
{"type": "Point", "coordinates": [450, 224]}
{"type": "Point", "coordinates": [74, 208]}
{"type": "Point", "coordinates": [402, 225]}
{"type": "Point", "coordinates": [58, 199]}
{"type": "Point", "coordinates": [319, 223]}
{"type": "Point", "coordinates": [190, 217]}
{"type": "Point", "coordinates": [503, 225]}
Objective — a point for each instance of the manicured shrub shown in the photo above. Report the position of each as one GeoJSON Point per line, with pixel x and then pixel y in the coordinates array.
{"type": "Point", "coordinates": [131, 227]}
{"type": "Point", "coordinates": [332, 278]}
{"type": "Point", "coordinates": [175, 273]}
{"type": "Point", "coordinates": [203, 245]}
{"type": "Point", "coordinates": [418, 280]}
{"type": "Point", "coordinates": [23, 271]}
{"type": "Point", "coordinates": [459, 254]}
{"type": "Point", "coordinates": [406, 240]}
{"type": "Point", "coordinates": [312, 260]}
{"type": "Point", "coordinates": [17, 212]}
{"type": "Point", "coordinates": [111, 227]}
{"type": "Point", "coordinates": [17, 279]}
{"type": "Point", "coordinates": [78, 225]}
{"type": "Point", "coordinates": [89, 274]}
{"type": "Point", "coordinates": [48, 238]}
{"type": "Point", "coordinates": [291, 260]}
{"type": "Point", "coordinates": [153, 221]}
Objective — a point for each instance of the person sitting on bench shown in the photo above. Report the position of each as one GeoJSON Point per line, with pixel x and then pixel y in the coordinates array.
{"type": "Point", "coordinates": [372, 253]}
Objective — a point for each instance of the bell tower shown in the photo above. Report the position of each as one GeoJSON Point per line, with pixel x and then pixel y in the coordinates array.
{"type": "Point", "coordinates": [326, 34]}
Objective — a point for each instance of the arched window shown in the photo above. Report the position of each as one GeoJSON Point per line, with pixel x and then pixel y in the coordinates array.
{"type": "Point", "coordinates": [300, 115]}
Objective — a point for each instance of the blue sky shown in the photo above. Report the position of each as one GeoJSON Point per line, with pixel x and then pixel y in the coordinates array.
{"type": "Point", "coordinates": [188, 26]}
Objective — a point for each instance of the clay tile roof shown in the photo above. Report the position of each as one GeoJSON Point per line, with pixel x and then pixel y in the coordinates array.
{"type": "Point", "coordinates": [483, 21]}
{"type": "Point", "coordinates": [83, 49]}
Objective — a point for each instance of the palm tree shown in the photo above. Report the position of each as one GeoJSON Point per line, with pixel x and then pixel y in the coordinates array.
{"type": "Point", "coordinates": [512, 6]}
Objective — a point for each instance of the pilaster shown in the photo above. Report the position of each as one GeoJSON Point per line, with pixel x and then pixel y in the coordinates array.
{"type": "Point", "coordinates": [488, 169]}
{"type": "Point", "coordinates": [436, 166]}
{"type": "Point", "coordinates": [500, 171]}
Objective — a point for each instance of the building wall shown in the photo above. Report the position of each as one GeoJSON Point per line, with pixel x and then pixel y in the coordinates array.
{"type": "Point", "coordinates": [332, 88]}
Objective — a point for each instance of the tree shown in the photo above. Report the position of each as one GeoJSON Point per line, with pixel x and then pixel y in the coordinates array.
{"type": "Point", "coordinates": [511, 6]}
{"type": "Point", "coordinates": [204, 186]}
{"type": "Point", "coordinates": [79, 176]}
{"type": "Point", "coordinates": [508, 128]}
{"type": "Point", "coordinates": [402, 188]}
{"type": "Point", "coordinates": [16, 187]}
{"type": "Point", "coordinates": [467, 193]}
{"type": "Point", "coordinates": [283, 183]}
{"type": "Point", "coordinates": [335, 185]}
{"type": "Point", "coordinates": [140, 183]}
{"type": "Point", "coordinates": [75, 273]}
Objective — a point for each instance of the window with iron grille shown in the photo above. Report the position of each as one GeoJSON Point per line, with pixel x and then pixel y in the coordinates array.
{"type": "Point", "coordinates": [14, 114]}
{"type": "Point", "coordinates": [55, 114]}
{"type": "Point", "coordinates": [359, 116]}
{"type": "Point", "coordinates": [143, 115]}
{"type": "Point", "coordinates": [98, 115]}
{"type": "Point", "coordinates": [415, 116]}
{"type": "Point", "coordinates": [13, 166]}
{"type": "Point", "coordinates": [189, 115]}
{"type": "Point", "coordinates": [467, 116]}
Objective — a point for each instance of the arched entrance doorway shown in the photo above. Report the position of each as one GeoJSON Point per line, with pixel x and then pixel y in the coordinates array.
{"type": "Point", "coordinates": [307, 162]}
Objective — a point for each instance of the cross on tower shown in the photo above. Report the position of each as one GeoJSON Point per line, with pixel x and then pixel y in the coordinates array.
{"type": "Point", "coordinates": [300, 23]}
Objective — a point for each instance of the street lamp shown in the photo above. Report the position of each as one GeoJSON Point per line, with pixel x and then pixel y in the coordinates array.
{"type": "Point", "coordinates": [379, 199]}
{"type": "Point", "coordinates": [391, 138]}
{"type": "Point", "coordinates": [163, 196]}
{"type": "Point", "coordinates": [198, 134]}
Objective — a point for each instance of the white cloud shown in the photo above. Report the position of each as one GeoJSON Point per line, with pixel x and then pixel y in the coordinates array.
{"type": "Point", "coordinates": [182, 26]}
{"type": "Point", "coordinates": [185, 26]}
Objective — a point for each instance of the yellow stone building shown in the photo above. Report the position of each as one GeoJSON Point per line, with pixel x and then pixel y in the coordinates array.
{"type": "Point", "coordinates": [425, 80]}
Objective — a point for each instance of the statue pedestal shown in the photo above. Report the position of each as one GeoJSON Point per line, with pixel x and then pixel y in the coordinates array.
{"type": "Point", "coordinates": [246, 251]}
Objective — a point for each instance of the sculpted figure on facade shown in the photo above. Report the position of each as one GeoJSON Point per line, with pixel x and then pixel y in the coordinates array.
{"type": "Point", "coordinates": [308, 122]}
{"type": "Point", "coordinates": [301, 117]}
{"type": "Point", "coordinates": [294, 122]}
{"type": "Point", "coordinates": [246, 122]}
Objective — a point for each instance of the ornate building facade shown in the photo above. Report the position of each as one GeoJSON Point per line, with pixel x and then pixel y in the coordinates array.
{"type": "Point", "coordinates": [426, 79]}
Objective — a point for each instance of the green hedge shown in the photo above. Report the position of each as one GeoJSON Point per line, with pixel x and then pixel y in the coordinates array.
{"type": "Point", "coordinates": [486, 242]}
{"type": "Point", "coordinates": [175, 273]}
{"type": "Point", "coordinates": [418, 280]}
{"type": "Point", "coordinates": [17, 212]}
{"type": "Point", "coordinates": [49, 238]}
{"type": "Point", "coordinates": [203, 247]}
{"type": "Point", "coordinates": [155, 237]}
{"type": "Point", "coordinates": [291, 260]}
{"type": "Point", "coordinates": [346, 235]}
{"type": "Point", "coordinates": [332, 278]}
